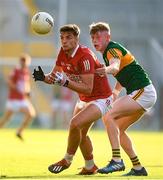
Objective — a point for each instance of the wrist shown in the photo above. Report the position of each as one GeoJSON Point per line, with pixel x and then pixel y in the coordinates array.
{"type": "Point", "coordinates": [66, 83]}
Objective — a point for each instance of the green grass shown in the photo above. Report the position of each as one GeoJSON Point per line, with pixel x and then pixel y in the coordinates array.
{"type": "Point", "coordinates": [30, 159]}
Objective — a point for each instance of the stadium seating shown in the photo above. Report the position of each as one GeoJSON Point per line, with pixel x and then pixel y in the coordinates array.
{"type": "Point", "coordinates": [41, 49]}
{"type": "Point", "coordinates": [11, 48]}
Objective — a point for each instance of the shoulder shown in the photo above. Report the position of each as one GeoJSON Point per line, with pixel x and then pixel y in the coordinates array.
{"type": "Point", "coordinates": [115, 50]}
{"type": "Point", "coordinates": [85, 49]}
{"type": "Point", "coordinates": [14, 73]}
{"type": "Point", "coordinates": [87, 52]}
{"type": "Point", "coordinates": [117, 47]}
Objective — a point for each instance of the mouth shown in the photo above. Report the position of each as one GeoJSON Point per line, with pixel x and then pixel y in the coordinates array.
{"type": "Point", "coordinates": [64, 47]}
{"type": "Point", "coordinates": [96, 46]}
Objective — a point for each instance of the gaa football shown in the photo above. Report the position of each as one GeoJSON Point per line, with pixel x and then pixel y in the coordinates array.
{"type": "Point", "coordinates": [42, 22]}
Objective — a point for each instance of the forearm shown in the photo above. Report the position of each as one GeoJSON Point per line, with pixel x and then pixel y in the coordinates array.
{"type": "Point", "coordinates": [47, 80]}
{"type": "Point", "coordinates": [79, 87]}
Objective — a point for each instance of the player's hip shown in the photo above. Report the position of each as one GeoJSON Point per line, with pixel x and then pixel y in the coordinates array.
{"type": "Point", "coordinates": [146, 96]}
{"type": "Point", "coordinates": [16, 105]}
{"type": "Point", "coordinates": [103, 104]}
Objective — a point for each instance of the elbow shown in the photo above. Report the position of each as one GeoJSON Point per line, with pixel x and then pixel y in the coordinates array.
{"type": "Point", "coordinates": [86, 90]}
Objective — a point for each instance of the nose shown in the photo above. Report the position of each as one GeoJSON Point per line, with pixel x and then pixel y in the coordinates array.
{"type": "Point", "coordinates": [93, 41]}
{"type": "Point", "coordinates": [64, 42]}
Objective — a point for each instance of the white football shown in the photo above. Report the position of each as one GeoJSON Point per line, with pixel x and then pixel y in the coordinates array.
{"type": "Point", "coordinates": [42, 22]}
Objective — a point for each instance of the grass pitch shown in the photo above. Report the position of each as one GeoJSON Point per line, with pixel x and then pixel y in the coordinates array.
{"type": "Point", "coordinates": [30, 159]}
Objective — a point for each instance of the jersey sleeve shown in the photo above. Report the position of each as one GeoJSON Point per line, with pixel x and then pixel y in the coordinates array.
{"type": "Point", "coordinates": [114, 53]}
{"type": "Point", "coordinates": [87, 65]}
{"type": "Point", "coordinates": [14, 75]}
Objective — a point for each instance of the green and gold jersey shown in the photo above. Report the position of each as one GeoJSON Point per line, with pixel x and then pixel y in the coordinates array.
{"type": "Point", "coordinates": [131, 75]}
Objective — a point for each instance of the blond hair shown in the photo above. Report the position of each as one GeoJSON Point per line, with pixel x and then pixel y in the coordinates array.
{"type": "Point", "coordinates": [99, 26]}
{"type": "Point", "coordinates": [25, 57]}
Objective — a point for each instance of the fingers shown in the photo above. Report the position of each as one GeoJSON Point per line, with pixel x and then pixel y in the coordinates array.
{"type": "Point", "coordinates": [40, 69]}
{"type": "Point", "coordinates": [34, 71]}
{"type": "Point", "coordinates": [35, 74]}
{"type": "Point", "coordinates": [100, 71]}
{"type": "Point", "coordinates": [38, 75]}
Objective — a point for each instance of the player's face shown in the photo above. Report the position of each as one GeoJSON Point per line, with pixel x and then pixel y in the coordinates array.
{"type": "Point", "coordinates": [100, 40]}
{"type": "Point", "coordinates": [24, 62]}
{"type": "Point", "coordinates": [68, 41]}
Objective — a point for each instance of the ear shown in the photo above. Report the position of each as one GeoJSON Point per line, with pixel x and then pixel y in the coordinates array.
{"type": "Point", "coordinates": [108, 37]}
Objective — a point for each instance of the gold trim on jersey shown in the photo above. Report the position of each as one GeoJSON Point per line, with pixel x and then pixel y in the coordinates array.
{"type": "Point", "coordinates": [126, 60]}
{"type": "Point", "coordinates": [138, 94]}
{"type": "Point", "coordinates": [114, 53]}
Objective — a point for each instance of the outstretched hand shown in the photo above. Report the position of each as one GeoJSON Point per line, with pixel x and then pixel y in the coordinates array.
{"type": "Point", "coordinates": [38, 75]}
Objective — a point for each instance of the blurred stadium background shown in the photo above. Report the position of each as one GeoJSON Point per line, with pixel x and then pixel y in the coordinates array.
{"type": "Point", "coordinates": [137, 24]}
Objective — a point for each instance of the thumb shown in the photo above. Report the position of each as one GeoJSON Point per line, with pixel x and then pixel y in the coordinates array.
{"type": "Point", "coordinates": [34, 72]}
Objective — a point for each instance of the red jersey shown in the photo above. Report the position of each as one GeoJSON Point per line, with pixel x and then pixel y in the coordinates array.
{"type": "Point", "coordinates": [84, 61]}
{"type": "Point", "coordinates": [21, 78]}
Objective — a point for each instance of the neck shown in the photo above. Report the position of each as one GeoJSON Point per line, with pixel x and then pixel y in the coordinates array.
{"type": "Point", "coordinates": [69, 52]}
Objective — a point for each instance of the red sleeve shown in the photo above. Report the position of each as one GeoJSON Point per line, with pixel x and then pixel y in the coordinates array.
{"type": "Point", "coordinates": [14, 75]}
{"type": "Point", "coordinates": [87, 64]}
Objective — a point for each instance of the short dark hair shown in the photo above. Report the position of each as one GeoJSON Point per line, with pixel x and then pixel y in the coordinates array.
{"type": "Point", "coordinates": [71, 28]}
{"type": "Point", "coordinates": [99, 26]}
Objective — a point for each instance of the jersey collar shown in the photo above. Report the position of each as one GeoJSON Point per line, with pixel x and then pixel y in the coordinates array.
{"type": "Point", "coordinates": [73, 54]}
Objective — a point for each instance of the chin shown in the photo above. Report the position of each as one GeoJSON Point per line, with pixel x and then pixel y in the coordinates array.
{"type": "Point", "coordinates": [97, 49]}
{"type": "Point", "coordinates": [65, 49]}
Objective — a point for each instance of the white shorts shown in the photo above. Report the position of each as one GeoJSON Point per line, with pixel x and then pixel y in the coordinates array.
{"type": "Point", "coordinates": [146, 97]}
{"type": "Point", "coordinates": [16, 105]}
{"type": "Point", "coordinates": [103, 104]}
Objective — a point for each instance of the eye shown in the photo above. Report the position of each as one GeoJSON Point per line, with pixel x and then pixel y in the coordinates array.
{"type": "Point", "coordinates": [69, 37]}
